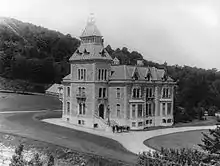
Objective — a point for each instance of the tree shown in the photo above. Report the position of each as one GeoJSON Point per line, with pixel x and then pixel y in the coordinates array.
{"type": "Point", "coordinates": [51, 161]}
{"type": "Point", "coordinates": [211, 142]}
{"type": "Point", "coordinates": [36, 161]}
{"type": "Point", "coordinates": [17, 158]}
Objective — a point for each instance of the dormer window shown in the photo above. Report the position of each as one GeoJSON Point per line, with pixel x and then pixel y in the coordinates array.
{"type": "Point", "coordinates": [102, 53]}
{"type": "Point", "coordinates": [78, 52]}
{"type": "Point", "coordinates": [135, 77]}
{"type": "Point", "coordinates": [148, 77]}
{"type": "Point", "coordinates": [86, 52]}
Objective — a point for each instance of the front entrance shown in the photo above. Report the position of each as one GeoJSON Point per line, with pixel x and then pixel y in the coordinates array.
{"type": "Point", "coordinates": [101, 111]}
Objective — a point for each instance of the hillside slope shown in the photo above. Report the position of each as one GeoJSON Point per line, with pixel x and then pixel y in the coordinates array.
{"type": "Point", "coordinates": [35, 56]}
{"type": "Point", "coordinates": [34, 53]}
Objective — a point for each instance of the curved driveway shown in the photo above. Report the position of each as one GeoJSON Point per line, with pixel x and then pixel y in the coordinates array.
{"type": "Point", "coordinates": [133, 140]}
{"type": "Point", "coordinates": [16, 117]}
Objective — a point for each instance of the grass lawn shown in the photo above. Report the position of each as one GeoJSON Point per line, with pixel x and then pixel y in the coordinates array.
{"type": "Point", "coordinates": [188, 139]}
{"type": "Point", "coordinates": [63, 156]}
{"type": "Point", "coordinates": [29, 125]}
{"type": "Point", "coordinates": [19, 102]}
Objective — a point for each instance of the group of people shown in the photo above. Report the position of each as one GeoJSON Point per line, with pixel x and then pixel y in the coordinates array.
{"type": "Point", "coordinates": [116, 128]}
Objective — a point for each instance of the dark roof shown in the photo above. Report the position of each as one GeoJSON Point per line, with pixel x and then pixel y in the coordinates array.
{"type": "Point", "coordinates": [126, 72]}
{"type": "Point", "coordinates": [90, 51]}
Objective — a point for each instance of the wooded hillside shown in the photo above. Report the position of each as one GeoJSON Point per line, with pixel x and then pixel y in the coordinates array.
{"type": "Point", "coordinates": [40, 56]}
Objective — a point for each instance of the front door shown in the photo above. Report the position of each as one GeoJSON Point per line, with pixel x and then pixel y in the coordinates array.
{"type": "Point", "coordinates": [101, 111]}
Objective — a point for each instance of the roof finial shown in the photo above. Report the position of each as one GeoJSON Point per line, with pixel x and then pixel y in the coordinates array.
{"type": "Point", "coordinates": [91, 19]}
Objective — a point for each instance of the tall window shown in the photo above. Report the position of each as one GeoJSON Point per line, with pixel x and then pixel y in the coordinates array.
{"type": "Point", "coordinates": [149, 92]}
{"type": "Point", "coordinates": [102, 78]}
{"type": "Point", "coordinates": [136, 93]}
{"type": "Point", "coordinates": [169, 108]}
{"type": "Point", "coordinates": [68, 107]}
{"type": "Point", "coordinates": [166, 93]}
{"type": "Point", "coordinates": [81, 74]}
{"type": "Point", "coordinates": [99, 74]}
{"type": "Point", "coordinates": [68, 91]}
{"type": "Point", "coordinates": [140, 111]}
{"type": "Point", "coordinates": [164, 108]}
{"type": "Point", "coordinates": [118, 93]}
{"type": "Point", "coordinates": [82, 108]}
{"type": "Point", "coordinates": [102, 92]}
{"type": "Point", "coordinates": [102, 74]}
{"type": "Point", "coordinates": [149, 109]}
{"type": "Point", "coordinates": [105, 78]}
{"type": "Point", "coordinates": [118, 110]}
{"type": "Point", "coordinates": [133, 111]}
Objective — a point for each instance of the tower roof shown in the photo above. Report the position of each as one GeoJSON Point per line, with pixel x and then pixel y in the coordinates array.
{"type": "Point", "coordinates": [91, 48]}
{"type": "Point", "coordinates": [91, 29]}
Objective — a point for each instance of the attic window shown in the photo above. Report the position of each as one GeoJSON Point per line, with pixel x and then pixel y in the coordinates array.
{"type": "Point", "coordinates": [102, 53]}
{"type": "Point", "coordinates": [135, 77]}
{"type": "Point", "coordinates": [148, 77]}
{"type": "Point", "coordinates": [86, 52]}
{"type": "Point", "coordinates": [165, 77]}
{"type": "Point", "coordinates": [79, 53]}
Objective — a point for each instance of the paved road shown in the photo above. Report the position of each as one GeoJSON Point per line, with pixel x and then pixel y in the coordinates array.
{"type": "Point", "coordinates": [133, 141]}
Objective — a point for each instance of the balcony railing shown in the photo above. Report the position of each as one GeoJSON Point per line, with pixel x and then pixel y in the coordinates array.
{"type": "Point", "coordinates": [137, 97]}
{"type": "Point", "coordinates": [150, 97]}
{"type": "Point", "coordinates": [81, 95]}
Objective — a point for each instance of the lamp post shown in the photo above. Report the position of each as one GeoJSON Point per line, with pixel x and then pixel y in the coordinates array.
{"type": "Point", "coordinates": [108, 112]}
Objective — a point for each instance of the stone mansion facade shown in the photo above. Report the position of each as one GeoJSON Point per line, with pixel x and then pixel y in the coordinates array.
{"type": "Point", "coordinates": [99, 92]}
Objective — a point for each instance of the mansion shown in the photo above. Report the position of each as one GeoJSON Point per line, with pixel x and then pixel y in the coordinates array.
{"type": "Point", "coordinates": [99, 92]}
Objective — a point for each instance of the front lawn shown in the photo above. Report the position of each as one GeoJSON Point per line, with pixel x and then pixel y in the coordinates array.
{"type": "Point", "coordinates": [188, 139]}
{"type": "Point", "coordinates": [20, 102]}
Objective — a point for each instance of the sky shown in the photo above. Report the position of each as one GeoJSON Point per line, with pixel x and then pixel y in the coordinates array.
{"type": "Point", "coordinates": [183, 32]}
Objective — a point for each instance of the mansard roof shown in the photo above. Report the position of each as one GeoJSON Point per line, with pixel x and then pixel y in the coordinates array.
{"type": "Point", "coordinates": [126, 72]}
{"type": "Point", "coordinates": [90, 51]}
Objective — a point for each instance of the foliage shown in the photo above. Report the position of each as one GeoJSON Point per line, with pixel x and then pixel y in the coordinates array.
{"type": "Point", "coordinates": [211, 142]}
{"type": "Point", "coordinates": [50, 161]}
{"type": "Point", "coordinates": [18, 158]}
{"type": "Point", "coordinates": [35, 161]}
{"type": "Point", "coordinates": [34, 53]}
{"type": "Point", "coordinates": [175, 157]}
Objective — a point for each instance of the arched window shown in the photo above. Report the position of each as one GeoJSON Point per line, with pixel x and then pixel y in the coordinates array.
{"type": "Point", "coordinates": [118, 110]}
{"type": "Point", "coordinates": [80, 108]}
{"type": "Point", "coordinates": [68, 91]}
{"type": "Point", "coordinates": [134, 92]}
{"type": "Point", "coordinates": [83, 108]}
{"type": "Point", "coordinates": [68, 107]}
{"type": "Point", "coordinates": [164, 120]}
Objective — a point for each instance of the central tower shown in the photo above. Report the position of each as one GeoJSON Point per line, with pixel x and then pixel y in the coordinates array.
{"type": "Point", "coordinates": [90, 71]}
